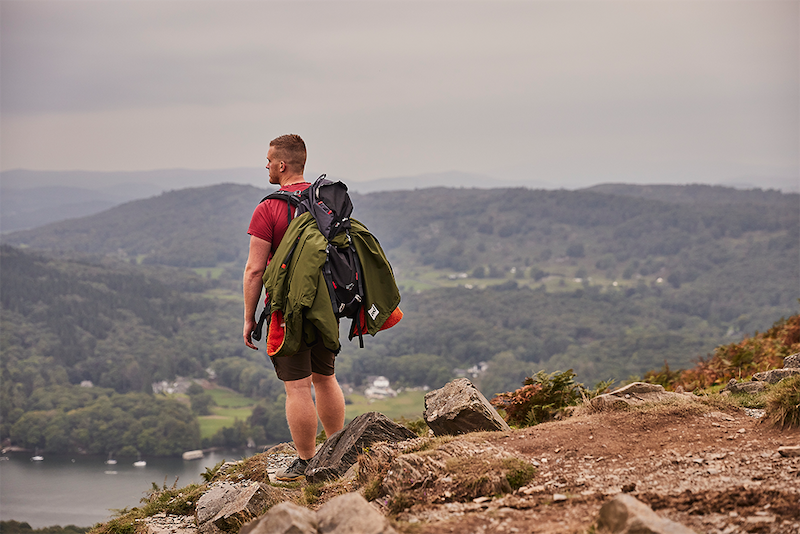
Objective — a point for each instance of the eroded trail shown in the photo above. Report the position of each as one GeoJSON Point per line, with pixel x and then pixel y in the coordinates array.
{"type": "Point", "coordinates": [714, 472]}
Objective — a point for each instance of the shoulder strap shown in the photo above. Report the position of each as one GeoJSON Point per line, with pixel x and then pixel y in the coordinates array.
{"type": "Point", "coordinates": [292, 198]}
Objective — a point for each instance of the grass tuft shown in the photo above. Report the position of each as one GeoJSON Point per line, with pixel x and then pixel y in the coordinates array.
{"type": "Point", "coordinates": [783, 403]}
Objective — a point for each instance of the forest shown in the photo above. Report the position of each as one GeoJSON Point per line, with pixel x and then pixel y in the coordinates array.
{"type": "Point", "coordinates": [611, 282]}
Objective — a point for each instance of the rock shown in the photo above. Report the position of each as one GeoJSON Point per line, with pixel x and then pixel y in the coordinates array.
{"type": "Point", "coordinates": [351, 513]}
{"type": "Point", "coordinates": [624, 514]}
{"type": "Point", "coordinates": [341, 450]}
{"type": "Point", "coordinates": [789, 450]}
{"type": "Point", "coordinates": [751, 387]}
{"type": "Point", "coordinates": [213, 500]}
{"type": "Point", "coordinates": [249, 504]}
{"type": "Point", "coordinates": [773, 376]}
{"type": "Point", "coordinates": [792, 362]}
{"type": "Point", "coordinates": [635, 394]}
{"type": "Point", "coordinates": [283, 518]}
{"type": "Point", "coordinates": [170, 524]}
{"type": "Point", "coordinates": [458, 408]}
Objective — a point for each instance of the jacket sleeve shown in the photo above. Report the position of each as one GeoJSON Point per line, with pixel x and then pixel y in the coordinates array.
{"type": "Point", "coordinates": [380, 288]}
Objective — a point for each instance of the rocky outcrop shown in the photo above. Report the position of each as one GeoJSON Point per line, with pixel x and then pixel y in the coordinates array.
{"type": "Point", "coordinates": [635, 394]}
{"type": "Point", "coordinates": [762, 380]}
{"type": "Point", "coordinates": [625, 514]}
{"type": "Point", "coordinates": [455, 471]}
{"type": "Point", "coordinates": [341, 450]}
{"type": "Point", "coordinates": [750, 387]}
{"type": "Point", "coordinates": [773, 376]}
{"type": "Point", "coordinates": [346, 514]}
{"type": "Point", "coordinates": [226, 507]}
{"type": "Point", "coordinates": [458, 408]}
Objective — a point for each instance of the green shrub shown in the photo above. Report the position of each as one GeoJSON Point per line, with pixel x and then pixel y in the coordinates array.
{"type": "Point", "coordinates": [540, 399]}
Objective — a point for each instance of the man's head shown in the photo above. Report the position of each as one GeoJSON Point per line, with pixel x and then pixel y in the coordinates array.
{"type": "Point", "coordinates": [286, 157]}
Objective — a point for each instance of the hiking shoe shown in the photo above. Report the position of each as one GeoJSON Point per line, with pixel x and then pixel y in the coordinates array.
{"type": "Point", "coordinates": [294, 472]}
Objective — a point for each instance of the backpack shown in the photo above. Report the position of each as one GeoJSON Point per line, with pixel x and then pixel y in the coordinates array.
{"type": "Point", "coordinates": [331, 207]}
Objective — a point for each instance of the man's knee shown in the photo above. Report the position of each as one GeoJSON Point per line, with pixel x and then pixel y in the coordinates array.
{"type": "Point", "coordinates": [298, 387]}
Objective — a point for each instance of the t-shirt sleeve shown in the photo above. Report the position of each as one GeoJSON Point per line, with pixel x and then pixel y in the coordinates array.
{"type": "Point", "coordinates": [260, 225]}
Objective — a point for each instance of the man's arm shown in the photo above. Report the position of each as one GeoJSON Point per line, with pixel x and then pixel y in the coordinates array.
{"type": "Point", "coordinates": [252, 284]}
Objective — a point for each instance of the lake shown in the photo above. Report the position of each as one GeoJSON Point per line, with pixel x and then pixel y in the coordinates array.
{"type": "Point", "coordinates": [83, 490]}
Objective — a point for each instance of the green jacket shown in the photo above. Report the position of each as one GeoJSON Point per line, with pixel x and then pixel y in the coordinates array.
{"type": "Point", "coordinates": [299, 298]}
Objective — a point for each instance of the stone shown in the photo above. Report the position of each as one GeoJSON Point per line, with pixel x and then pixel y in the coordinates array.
{"type": "Point", "coordinates": [751, 387]}
{"type": "Point", "coordinates": [458, 408]}
{"type": "Point", "coordinates": [625, 514]}
{"type": "Point", "coordinates": [341, 450]}
{"type": "Point", "coordinates": [213, 500]}
{"type": "Point", "coordinates": [351, 514]}
{"type": "Point", "coordinates": [789, 450]}
{"type": "Point", "coordinates": [283, 518]}
{"type": "Point", "coordinates": [773, 376]}
{"type": "Point", "coordinates": [249, 504]}
{"type": "Point", "coordinates": [170, 524]}
{"type": "Point", "coordinates": [792, 362]}
{"type": "Point", "coordinates": [635, 394]}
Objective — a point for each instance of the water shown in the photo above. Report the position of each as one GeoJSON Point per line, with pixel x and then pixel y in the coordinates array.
{"type": "Point", "coordinates": [83, 490]}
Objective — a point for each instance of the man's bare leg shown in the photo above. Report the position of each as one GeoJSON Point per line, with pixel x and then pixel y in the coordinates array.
{"type": "Point", "coordinates": [301, 416]}
{"type": "Point", "coordinates": [330, 402]}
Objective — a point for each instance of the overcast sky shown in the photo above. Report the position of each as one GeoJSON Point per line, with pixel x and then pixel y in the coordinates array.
{"type": "Point", "coordinates": [568, 93]}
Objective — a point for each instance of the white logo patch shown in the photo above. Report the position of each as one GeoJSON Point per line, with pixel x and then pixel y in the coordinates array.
{"type": "Point", "coordinates": [373, 311]}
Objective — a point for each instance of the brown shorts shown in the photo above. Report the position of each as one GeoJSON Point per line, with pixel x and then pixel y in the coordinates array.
{"type": "Point", "coordinates": [307, 360]}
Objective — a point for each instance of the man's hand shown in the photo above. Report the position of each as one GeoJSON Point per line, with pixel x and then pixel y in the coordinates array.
{"type": "Point", "coordinates": [247, 333]}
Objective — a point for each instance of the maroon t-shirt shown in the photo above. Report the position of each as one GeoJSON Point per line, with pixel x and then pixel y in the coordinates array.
{"type": "Point", "coordinates": [270, 221]}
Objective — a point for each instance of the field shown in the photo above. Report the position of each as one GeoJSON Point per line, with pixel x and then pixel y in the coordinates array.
{"type": "Point", "coordinates": [230, 407]}
{"type": "Point", "coordinates": [408, 404]}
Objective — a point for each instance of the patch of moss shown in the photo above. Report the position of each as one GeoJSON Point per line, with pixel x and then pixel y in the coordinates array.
{"type": "Point", "coordinates": [519, 472]}
{"type": "Point", "coordinates": [312, 493]}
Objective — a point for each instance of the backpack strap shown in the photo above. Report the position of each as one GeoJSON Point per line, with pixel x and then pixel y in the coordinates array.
{"type": "Point", "coordinates": [292, 198]}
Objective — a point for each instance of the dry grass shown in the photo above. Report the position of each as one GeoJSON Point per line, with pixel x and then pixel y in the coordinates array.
{"type": "Point", "coordinates": [783, 403]}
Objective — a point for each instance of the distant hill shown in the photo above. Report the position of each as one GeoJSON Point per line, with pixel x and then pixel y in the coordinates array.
{"type": "Point", "coordinates": [696, 193]}
{"type": "Point", "coordinates": [188, 228]}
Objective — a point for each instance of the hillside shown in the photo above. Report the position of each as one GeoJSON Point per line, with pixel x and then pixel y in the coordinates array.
{"type": "Point", "coordinates": [709, 261]}
{"type": "Point", "coordinates": [610, 285]}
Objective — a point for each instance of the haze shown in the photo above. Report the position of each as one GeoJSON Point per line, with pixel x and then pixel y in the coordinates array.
{"type": "Point", "coordinates": [555, 94]}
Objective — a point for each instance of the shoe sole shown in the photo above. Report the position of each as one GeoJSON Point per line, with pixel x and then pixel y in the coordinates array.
{"type": "Point", "coordinates": [284, 478]}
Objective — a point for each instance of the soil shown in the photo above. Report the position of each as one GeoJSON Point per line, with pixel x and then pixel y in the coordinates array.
{"type": "Point", "coordinates": [714, 472]}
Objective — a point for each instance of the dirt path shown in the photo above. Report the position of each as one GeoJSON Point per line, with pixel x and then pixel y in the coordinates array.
{"type": "Point", "coordinates": [714, 472]}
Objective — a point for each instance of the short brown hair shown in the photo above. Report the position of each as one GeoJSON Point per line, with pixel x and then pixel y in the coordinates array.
{"type": "Point", "coordinates": [291, 149]}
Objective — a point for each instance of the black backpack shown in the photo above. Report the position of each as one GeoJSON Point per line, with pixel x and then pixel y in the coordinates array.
{"type": "Point", "coordinates": [330, 205]}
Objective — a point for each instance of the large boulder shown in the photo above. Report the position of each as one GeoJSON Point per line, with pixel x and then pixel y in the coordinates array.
{"type": "Point", "coordinates": [249, 504]}
{"type": "Point", "coordinates": [284, 518]}
{"type": "Point", "coordinates": [213, 500]}
{"type": "Point", "coordinates": [458, 408]}
{"type": "Point", "coordinates": [341, 450]}
{"type": "Point", "coordinates": [635, 394]}
{"type": "Point", "coordinates": [624, 514]}
{"type": "Point", "coordinates": [350, 514]}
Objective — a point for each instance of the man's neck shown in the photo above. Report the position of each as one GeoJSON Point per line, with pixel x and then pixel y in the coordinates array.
{"type": "Point", "coordinates": [291, 180]}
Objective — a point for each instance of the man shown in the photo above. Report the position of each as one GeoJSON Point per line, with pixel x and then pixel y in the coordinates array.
{"type": "Point", "coordinates": [313, 365]}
